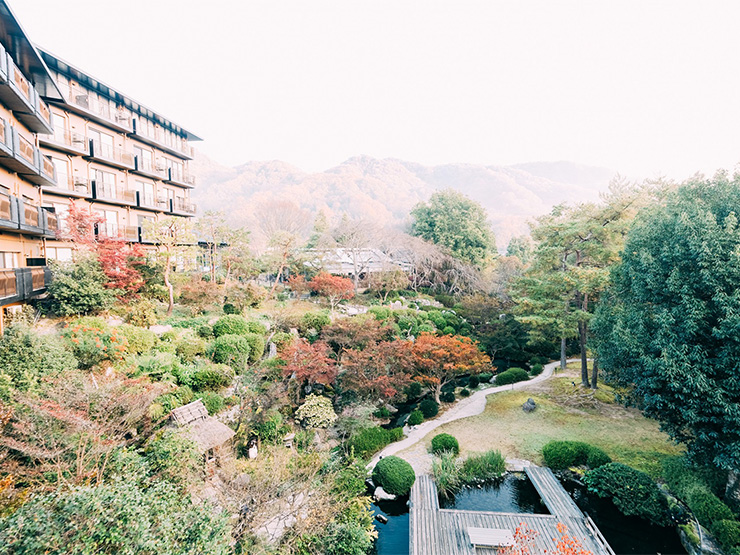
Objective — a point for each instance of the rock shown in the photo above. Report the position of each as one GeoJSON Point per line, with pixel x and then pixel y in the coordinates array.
{"type": "Point", "coordinates": [381, 495]}
{"type": "Point", "coordinates": [529, 405]}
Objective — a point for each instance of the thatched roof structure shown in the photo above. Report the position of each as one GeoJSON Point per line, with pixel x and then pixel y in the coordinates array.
{"type": "Point", "coordinates": [204, 430]}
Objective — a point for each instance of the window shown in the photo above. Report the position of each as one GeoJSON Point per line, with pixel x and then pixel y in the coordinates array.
{"type": "Point", "coordinates": [8, 260]}
{"type": "Point", "coordinates": [62, 167]}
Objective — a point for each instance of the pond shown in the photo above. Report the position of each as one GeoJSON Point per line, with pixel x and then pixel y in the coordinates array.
{"type": "Point", "coordinates": [516, 494]}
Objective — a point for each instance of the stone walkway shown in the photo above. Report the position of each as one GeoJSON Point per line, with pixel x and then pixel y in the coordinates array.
{"type": "Point", "coordinates": [418, 457]}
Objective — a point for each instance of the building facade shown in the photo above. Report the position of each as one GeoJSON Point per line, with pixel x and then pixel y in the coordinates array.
{"type": "Point", "coordinates": [64, 137]}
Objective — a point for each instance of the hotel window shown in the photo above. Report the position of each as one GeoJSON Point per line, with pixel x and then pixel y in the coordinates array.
{"type": "Point", "coordinates": [62, 168]}
{"type": "Point", "coordinates": [8, 260]}
{"type": "Point", "coordinates": [102, 143]}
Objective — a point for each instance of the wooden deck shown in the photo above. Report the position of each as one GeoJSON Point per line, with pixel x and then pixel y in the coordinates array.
{"type": "Point", "coordinates": [435, 531]}
{"type": "Point", "coordinates": [556, 499]}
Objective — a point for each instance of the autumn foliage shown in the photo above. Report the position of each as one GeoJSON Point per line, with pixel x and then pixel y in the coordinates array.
{"type": "Point", "coordinates": [334, 288]}
{"type": "Point", "coordinates": [439, 359]}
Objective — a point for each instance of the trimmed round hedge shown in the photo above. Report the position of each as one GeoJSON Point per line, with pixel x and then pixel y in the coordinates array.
{"type": "Point", "coordinates": [394, 475]}
{"type": "Point", "coordinates": [445, 442]}
{"type": "Point", "coordinates": [415, 418]}
{"type": "Point", "coordinates": [512, 375]}
{"type": "Point", "coordinates": [560, 455]}
{"type": "Point", "coordinates": [429, 408]}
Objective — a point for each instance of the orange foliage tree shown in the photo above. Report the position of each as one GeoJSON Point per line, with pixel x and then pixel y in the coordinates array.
{"type": "Point", "coordinates": [378, 371]}
{"type": "Point", "coordinates": [440, 359]}
{"type": "Point", "coordinates": [309, 364]}
{"type": "Point", "coordinates": [334, 288]}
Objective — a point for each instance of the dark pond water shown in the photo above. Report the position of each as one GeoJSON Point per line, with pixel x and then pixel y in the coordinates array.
{"type": "Point", "coordinates": [514, 494]}
{"type": "Point", "coordinates": [625, 534]}
{"type": "Point", "coordinates": [393, 537]}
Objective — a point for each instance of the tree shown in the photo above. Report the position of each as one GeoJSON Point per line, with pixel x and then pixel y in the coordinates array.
{"type": "Point", "coordinates": [440, 359]}
{"type": "Point", "coordinates": [335, 288]}
{"type": "Point", "coordinates": [309, 364]}
{"type": "Point", "coordinates": [669, 326]}
{"type": "Point", "coordinates": [456, 223]}
{"type": "Point", "coordinates": [379, 371]}
{"type": "Point", "coordinates": [173, 237]}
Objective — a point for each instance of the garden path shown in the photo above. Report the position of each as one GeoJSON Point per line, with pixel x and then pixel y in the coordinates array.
{"type": "Point", "coordinates": [418, 457]}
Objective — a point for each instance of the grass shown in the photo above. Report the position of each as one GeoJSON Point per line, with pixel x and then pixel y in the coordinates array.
{"type": "Point", "coordinates": [563, 412]}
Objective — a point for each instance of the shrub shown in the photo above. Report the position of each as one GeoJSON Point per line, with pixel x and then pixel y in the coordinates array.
{"type": "Point", "coordinates": [394, 475]}
{"type": "Point", "coordinates": [415, 418]}
{"type": "Point", "coordinates": [727, 533]}
{"type": "Point", "coordinates": [447, 397]}
{"type": "Point", "coordinates": [256, 346]}
{"type": "Point", "coordinates": [231, 309]}
{"type": "Point", "coordinates": [142, 313]}
{"type": "Point", "coordinates": [213, 401]}
{"type": "Point", "coordinates": [413, 390]}
{"type": "Point", "coordinates": [232, 350]}
{"type": "Point", "coordinates": [486, 466]}
{"type": "Point", "coordinates": [230, 325]}
{"type": "Point", "coordinates": [560, 455]}
{"type": "Point", "coordinates": [707, 507]}
{"type": "Point", "coordinates": [92, 346]}
{"type": "Point", "coordinates": [633, 492]}
{"type": "Point", "coordinates": [429, 408]}
{"type": "Point", "coordinates": [445, 442]}
{"type": "Point", "coordinates": [205, 331]}
{"type": "Point", "coordinates": [536, 370]}
{"type": "Point", "coordinates": [79, 288]}
{"type": "Point", "coordinates": [316, 412]}
{"type": "Point", "coordinates": [26, 357]}
{"type": "Point", "coordinates": [447, 473]}
{"type": "Point", "coordinates": [368, 441]}
{"type": "Point", "coordinates": [473, 382]}
{"type": "Point", "coordinates": [212, 377]}
{"type": "Point", "coordinates": [139, 340]}
{"type": "Point", "coordinates": [485, 377]}
{"type": "Point", "coordinates": [464, 392]}
{"type": "Point", "coordinates": [512, 375]}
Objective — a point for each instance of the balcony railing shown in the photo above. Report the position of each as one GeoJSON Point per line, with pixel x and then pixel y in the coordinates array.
{"type": "Point", "coordinates": [183, 205]}
{"type": "Point", "coordinates": [112, 154]}
{"type": "Point", "coordinates": [102, 110]}
{"type": "Point", "coordinates": [8, 283]}
{"type": "Point", "coordinates": [31, 214]}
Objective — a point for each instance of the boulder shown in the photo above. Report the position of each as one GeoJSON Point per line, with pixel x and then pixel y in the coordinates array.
{"type": "Point", "coordinates": [529, 405]}
{"type": "Point", "coordinates": [382, 495]}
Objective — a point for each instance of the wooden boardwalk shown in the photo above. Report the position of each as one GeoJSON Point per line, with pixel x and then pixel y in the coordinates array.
{"type": "Point", "coordinates": [556, 499]}
{"type": "Point", "coordinates": [435, 531]}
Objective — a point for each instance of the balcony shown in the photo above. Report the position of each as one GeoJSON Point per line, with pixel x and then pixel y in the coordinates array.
{"type": "Point", "coordinates": [159, 139]}
{"type": "Point", "coordinates": [22, 284]}
{"type": "Point", "coordinates": [71, 186]}
{"type": "Point", "coordinates": [180, 178]}
{"type": "Point", "coordinates": [115, 194]}
{"type": "Point", "coordinates": [86, 104]}
{"type": "Point", "coordinates": [145, 167]}
{"type": "Point", "coordinates": [111, 155]}
{"type": "Point", "coordinates": [182, 206]}
{"type": "Point", "coordinates": [68, 142]}
{"type": "Point", "coordinates": [17, 94]}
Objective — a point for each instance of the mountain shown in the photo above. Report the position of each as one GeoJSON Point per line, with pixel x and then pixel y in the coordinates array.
{"type": "Point", "coordinates": [384, 191]}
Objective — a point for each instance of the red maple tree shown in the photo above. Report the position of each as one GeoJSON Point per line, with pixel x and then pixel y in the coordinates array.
{"type": "Point", "coordinates": [309, 364]}
{"type": "Point", "coordinates": [334, 288]}
{"type": "Point", "coordinates": [439, 359]}
{"type": "Point", "coordinates": [378, 371]}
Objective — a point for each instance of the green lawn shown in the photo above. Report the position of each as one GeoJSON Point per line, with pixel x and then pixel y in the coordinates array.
{"type": "Point", "coordinates": [564, 412]}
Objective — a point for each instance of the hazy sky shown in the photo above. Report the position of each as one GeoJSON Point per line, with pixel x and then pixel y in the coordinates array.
{"type": "Point", "coordinates": [645, 88]}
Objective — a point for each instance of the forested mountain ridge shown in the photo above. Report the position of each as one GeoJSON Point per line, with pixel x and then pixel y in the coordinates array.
{"type": "Point", "coordinates": [385, 190]}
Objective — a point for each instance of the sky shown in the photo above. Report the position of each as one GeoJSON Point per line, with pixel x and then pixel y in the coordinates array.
{"type": "Point", "coordinates": [644, 88]}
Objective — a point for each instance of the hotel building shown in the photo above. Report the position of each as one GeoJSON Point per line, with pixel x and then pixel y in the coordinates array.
{"type": "Point", "coordinates": [65, 136]}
